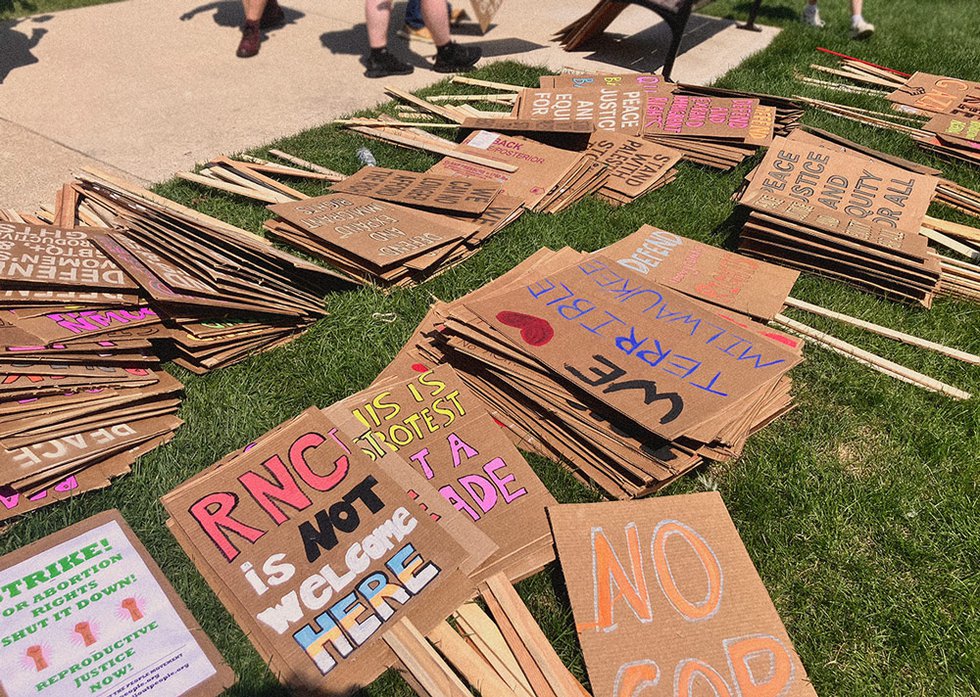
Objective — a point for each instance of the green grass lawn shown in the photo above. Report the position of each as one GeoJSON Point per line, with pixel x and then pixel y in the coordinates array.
{"type": "Point", "coordinates": [10, 9]}
{"type": "Point", "coordinates": [860, 508]}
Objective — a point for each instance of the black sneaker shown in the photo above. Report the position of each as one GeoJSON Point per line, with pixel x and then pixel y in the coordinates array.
{"type": "Point", "coordinates": [385, 64]}
{"type": "Point", "coordinates": [456, 58]}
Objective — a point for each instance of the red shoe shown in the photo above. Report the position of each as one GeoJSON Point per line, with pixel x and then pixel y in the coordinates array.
{"type": "Point", "coordinates": [272, 16]}
{"type": "Point", "coordinates": [251, 38]}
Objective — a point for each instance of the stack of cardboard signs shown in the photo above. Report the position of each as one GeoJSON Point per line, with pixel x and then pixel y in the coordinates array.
{"type": "Point", "coordinates": [80, 397]}
{"type": "Point", "coordinates": [842, 215]}
{"type": "Point", "coordinates": [717, 132]}
{"type": "Point", "coordinates": [745, 289]}
{"type": "Point", "coordinates": [953, 108]}
{"type": "Point", "coordinates": [789, 112]}
{"type": "Point", "coordinates": [433, 422]}
{"type": "Point", "coordinates": [544, 178]}
{"type": "Point", "coordinates": [664, 593]}
{"type": "Point", "coordinates": [375, 241]}
{"type": "Point", "coordinates": [711, 130]}
{"type": "Point", "coordinates": [222, 293]}
{"type": "Point", "coordinates": [374, 558]}
{"type": "Point", "coordinates": [88, 611]}
{"type": "Point", "coordinates": [627, 380]}
{"type": "Point", "coordinates": [589, 25]}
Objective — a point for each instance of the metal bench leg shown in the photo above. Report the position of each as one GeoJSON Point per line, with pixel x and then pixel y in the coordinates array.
{"type": "Point", "coordinates": [753, 13]}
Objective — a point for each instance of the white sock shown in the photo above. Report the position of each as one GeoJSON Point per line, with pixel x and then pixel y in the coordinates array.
{"type": "Point", "coordinates": [856, 19]}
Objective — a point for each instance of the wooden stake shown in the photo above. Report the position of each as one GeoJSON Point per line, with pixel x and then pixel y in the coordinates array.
{"type": "Point", "coordinates": [465, 659]}
{"type": "Point", "coordinates": [501, 86]}
{"type": "Point", "coordinates": [423, 663]}
{"type": "Point", "coordinates": [950, 243]}
{"type": "Point", "coordinates": [230, 188]}
{"type": "Point", "coordinates": [515, 613]}
{"type": "Point", "coordinates": [885, 331]}
{"type": "Point", "coordinates": [868, 358]}
{"type": "Point", "coordinates": [299, 162]}
{"type": "Point", "coordinates": [479, 630]}
{"type": "Point", "coordinates": [394, 124]}
{"type": "Point", "coordinates": [439, 148]}
{"type": "Point", "coordinates": [445, 112]}
{"type": "Point", "coordinates": [955, 229]}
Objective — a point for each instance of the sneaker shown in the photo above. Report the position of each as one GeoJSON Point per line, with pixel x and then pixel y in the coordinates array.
{"type": "Point", "coordinates": [272, 16]}
{"type": "Point", "coordinates": [251, 38]}
{"type": "Point", "coordinates": [811, 16]}
{"type": "Point", "coordinates": [456, 58]}
{"type": "Point", "coordinates": [861, 29]}
{"type": "Point", "coordinates": [385, 64]}
{"type": "Point", "coordinates": [412, 34]}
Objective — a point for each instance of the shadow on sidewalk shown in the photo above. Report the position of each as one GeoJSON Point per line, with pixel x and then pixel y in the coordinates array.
{"type": "Point", "coordinates": [17, 46]}
{"type": "Point", "coordinates": [228, 13]}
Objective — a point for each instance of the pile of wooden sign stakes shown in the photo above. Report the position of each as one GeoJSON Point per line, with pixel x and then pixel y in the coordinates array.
{"type": "Point", "coordinates": [254, 178]}
{"type": "Point", "coordinates": [81, 396]}
{"type": "Point", "coordinates": [628, 381]}
{"type": "Point", "coordinates": [221, 293]}
{"type": "Point", "coordinates": [942, 114]}
{"type": "Point", "coordinates": [380, 558]}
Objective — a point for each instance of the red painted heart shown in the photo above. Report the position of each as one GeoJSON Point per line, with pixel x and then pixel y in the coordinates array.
{"type": "Point", "coordinates": [534, 330]}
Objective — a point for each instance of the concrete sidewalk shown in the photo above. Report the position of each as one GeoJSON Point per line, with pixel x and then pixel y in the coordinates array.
{"type": "Point", "coordinates": [146, 87]}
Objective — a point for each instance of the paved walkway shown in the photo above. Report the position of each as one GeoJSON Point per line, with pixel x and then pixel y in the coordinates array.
{"type": "Point", "coordinates": [149, 87]}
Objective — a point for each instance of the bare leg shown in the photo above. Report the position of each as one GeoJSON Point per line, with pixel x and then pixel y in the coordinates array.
{"type": "Point", "coordinates": [378, 15]}
{"type": "Point", "coordinates": [253, 9]}
{"type": "Point", "coordinates": [436, 16]}
{"type": "Point", "coordinates": [856, 8]}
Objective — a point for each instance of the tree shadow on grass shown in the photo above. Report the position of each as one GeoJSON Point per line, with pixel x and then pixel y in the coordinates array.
{"type": "Point", "coordinates": [768, 11]}
{"type": "Point", "coordinates": [17, 7]}
{"type": "Point", "coordinates": [17, 45]}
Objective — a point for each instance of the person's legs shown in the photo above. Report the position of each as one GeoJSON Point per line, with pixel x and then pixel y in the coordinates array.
{"type": "Point", "coordinates": [451, 57]}
{"type": "Point", "coordinates": [251, 32]}
{"type": "Point", "coordinates": [811, 14]}
{"type": "Point", "coordinates": [860, 28]}
{"type": "Point", "coordinates": [413, 14]}
{"type": "Point", "coordinates": [436, 16]}
{"type": "Point", "coordinates": [380, 63]}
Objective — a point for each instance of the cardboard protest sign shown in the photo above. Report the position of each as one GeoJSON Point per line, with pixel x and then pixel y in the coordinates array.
{"type": "Point", "coordinates": [372, 241]}
{"type": "Point", "coordinates": [547, 178]}
{"type": "Point", "coordinates": [317, 553]}
{"type": "Point", "coordinates": [454, 194]}
{"type": "Point", "coordinates": [55, 258]}
{"type": "Point", "coordinates": [936, 94]}
{"type": "Point", "coordinates": [636, 166]}
{"type": "Point", "coordinates": [436, 424]}
{"type": "Point", "coordinates": [88, 612]}
{"type": "Point", "coordinates": [648, 82]}
{"type": "Point", "coordinates": [820, 207]}
{"type": "Point", "coordinates": [485, 10]}
{"type": "Point", "coordinates": [699, 270]}
{"type": "Point", "coordinates": [666, 599]}
{"type": "Point", "coordinates": [960, 130]}
{"type": "Point", "coordinates": [507, 124]}
{"type": "Point", "coordinates": [664, 360]}
{"type": "Point", "coordinates": [873, 192]}
{"type": "Point", "coordinates": [608, 108]}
